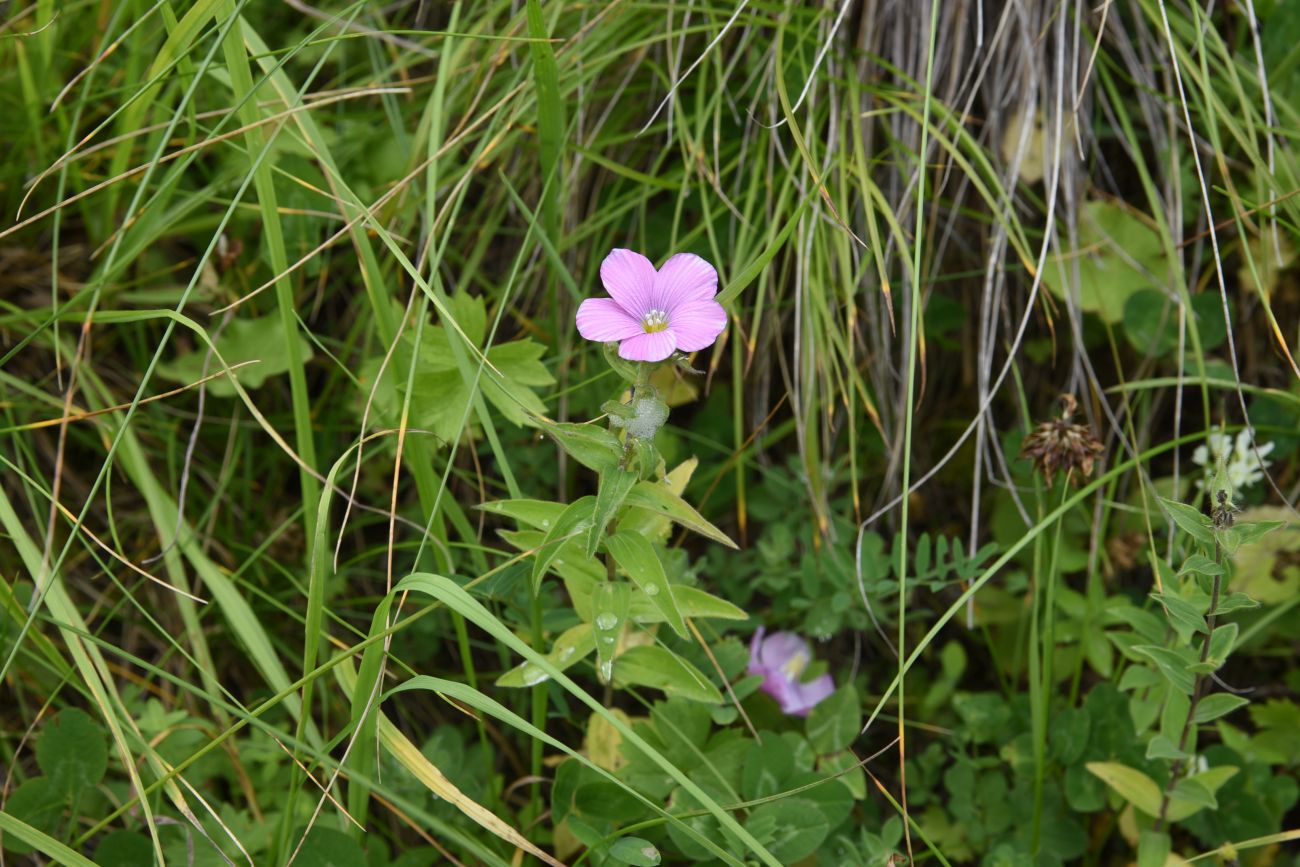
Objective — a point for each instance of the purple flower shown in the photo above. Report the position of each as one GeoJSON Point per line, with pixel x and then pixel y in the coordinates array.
{"type": "Point", "coordinates": [782, 658]}
{"type": "Point", "coordinates": [653, 314]}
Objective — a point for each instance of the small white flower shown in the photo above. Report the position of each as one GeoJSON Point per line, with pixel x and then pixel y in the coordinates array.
{"type": "Point", "coordinates": [1244, 464]}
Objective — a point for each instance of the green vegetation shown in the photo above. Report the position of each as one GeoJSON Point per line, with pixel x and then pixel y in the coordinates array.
{"type": "Point", "coordinates": [327, 539]}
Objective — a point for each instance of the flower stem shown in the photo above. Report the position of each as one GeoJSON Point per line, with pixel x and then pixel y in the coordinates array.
{"type": "Point", "coordinates": [1198, 688]}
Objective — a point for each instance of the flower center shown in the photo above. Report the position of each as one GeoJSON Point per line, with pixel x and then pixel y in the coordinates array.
{"type": "Point", "coordinates": [796, 664]}
{"type": "Point", "coordinates": [654, 320]}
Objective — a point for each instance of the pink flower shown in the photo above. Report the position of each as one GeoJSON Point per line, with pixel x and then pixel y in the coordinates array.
{"type": "Point", "coordinates": [781, 659]}
{"type": "Point", "coordinates": [653, 314]}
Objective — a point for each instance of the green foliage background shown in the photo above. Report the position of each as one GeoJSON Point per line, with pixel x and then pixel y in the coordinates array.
{"type": "Point", "coordinates": [293, 406]}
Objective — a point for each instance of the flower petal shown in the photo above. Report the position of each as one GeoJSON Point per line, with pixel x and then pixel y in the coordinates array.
{"type": "Point", "coordinates": [604, 320]}
{"type": "Point", "coordinates": [780, 648]}
{"type": "Point", "coordinates": [697, 324]}
{"type": "Point", "coordinates": [802, 697]}
{"type": "Point", "coordinates": [629, 279]}
{"type": "Point", "coordinates": [684, 277]}
{"type": "Point", "coordinates": [655, 346]}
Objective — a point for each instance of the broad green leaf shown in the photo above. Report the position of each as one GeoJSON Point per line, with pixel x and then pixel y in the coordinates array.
{"type": "Point", "coordinates": [1153, 849]}
{"type": "Point", "coordinates": [635, 851]}
{"type": "Point", "coordinates": [38, 804]}
{"type": "Point", "coordinates": [534, 513]}
{"type": "Point", "coordinates": [1190, 520]}
{"type": "Point", "coordinates": [259, 340]}
{"type": "Point", "coordinates": [1216, 705]}
{"type": "Point", "coordinates": [658, 499]}
{"type": "Point", "coordinates": [1199, 564]}
{"type": "Point", "coordinates": [1181, 612]}
{"type": "Point", "coordinates": [694, 602]}
{"type": "Point", "coordinates": [1197, 792]}
{"type": "Point", "coordinates": [72, 751]}
{"type": "Point", "coordinates": [1118, 254]}
{"type": "Point", "coordinates": [573, 645]}
{"type": "Point", "coordinates": [572, 523]}
{"type": "Point", "coordinates": [835, 722]}
{"type": "Point", "coordinates": [1235, 602]}
{"type": "Point", "coordinates": [614, 486]}
{"type": "Point", "coordinates": [590, 445]}
{"type": "Point", "coordinates": [609, 606]}
{"type": "Point", "coordinates": [794, 827]}
{"type": "Point", "coordinates": [1131, 785]}
{"type": "Point", "coordinates": [659, 668]}
{"type": "Point", "coordinates": [1161, 747]}
{"type": "Point", "coordinates": [328, 847]}
{"type": "Point", "coordinates": [1221, 642]}
{"type": "Point", "coordinates": [1171, 664]}
{"type": "Point", "coordinates": [637, 558]}
{"type": "Point", "coordinates": [1151, 322]}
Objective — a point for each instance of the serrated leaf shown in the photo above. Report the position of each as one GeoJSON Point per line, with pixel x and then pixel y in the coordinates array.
{"type": "Point", "coordinates": [572, 523]}
{"type": "Point", "coordinates": [72, 751]}
{"type": "Point", "coordinates": [660, 668]}
{"type": "Point", "coordinates": [658, 499]}
{"type": "Point", "coordinates": [614, 487]}
{"type": "Point", "coordinates": [1130, 784]}
{"type": "Point", "coordinates": [242, 340]}
{"type": "Point", "coordinates": [638, 560]}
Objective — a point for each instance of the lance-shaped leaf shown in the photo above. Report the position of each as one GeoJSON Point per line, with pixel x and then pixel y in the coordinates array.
{"type": "Point", "coordinates": [573, 521]}
{"type": "Point", "coordinates": [659, 668]}
{"type": "Point", "coordinates": [637, 558]}
{"type": "Point", "coordinates": [658, 499]}
{"type": "Point", "coordinates": [592, 446]}
{"type": "Point", "coordinates": [541, 514]}
{"type": "Point", "coordinates": [571, 647]}
{"type": "Point", "coordinates": [609, 605]}
{"type": "Point", "coordinates": [614, 487]}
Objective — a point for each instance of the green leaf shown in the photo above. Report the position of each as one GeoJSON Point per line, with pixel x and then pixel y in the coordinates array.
{"type": "Point", "coordinates": [1221, 642]}
{"type": "Point", "coordinates": [637, 558]}
{"type": "Point", "coordinates": [1118, 254]}
{"type": "Point", "coordinates": [609, 606]}
{"type": "Point", "coordinates": [1197, 792]}
{"type": "Point", "coordinates": [1235, 602]}
{"type": "Point", "coordinates": [123, 849]}
{"type": "Point", "coordinates": [327, 847]}
{"type": "Point", "coordinates": [657, 498]}
{"type": "Point", "coordinates": [614, 486]}
{"type": "Point", "coordinates": [1130, 784]}
{"type": "Point", "coordinates": [573, 645]}
{"type": "Point", "coordinates": [1171, 664]}
{"type": "Point", "coordinates": [533, 513]}
{"type": "Point", "coordinates": [635, 851]}
{"type": "Point", "coordinates": [1153, 849]}
{"type": "Point", "coordinates": [259, 340]}
{"type": "Point", "coordinates": [694, 602]}
{"type": "Point", "coordinates": [1161, 747]}
{"type": "Point", "coordinates": [1181, 612]}
{"type": "Point", "coordinates": [659, 668]}
{"type": "Point", "coordinates": [38, 804]}
{"type": "Point", "coordinates": [835, 722]}
{"type": "Point", "coordinates": [1199, 564]}
{"type": "Point", "coordinates": [1190, 520]}
{"type": "Point", "coordinates": [1216, 705]}
{"type": "Point", "coordinates": [793, 827]}
{"type": "Point", "coordinates": [573, 521]}
{"type": "Point", "coordinates": [72, 751]}
{"type": "Point", "coordinates": [1151, 322]}
{"type": "Point", "coordinates": [590, 445]}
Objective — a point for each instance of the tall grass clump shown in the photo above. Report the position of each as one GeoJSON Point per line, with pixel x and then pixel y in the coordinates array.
{"type": "Point", "coordinates": [629, 433]}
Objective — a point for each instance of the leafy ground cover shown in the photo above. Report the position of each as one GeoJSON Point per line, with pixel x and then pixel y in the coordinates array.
{"type": "Point", "coordinates": [925, 493]}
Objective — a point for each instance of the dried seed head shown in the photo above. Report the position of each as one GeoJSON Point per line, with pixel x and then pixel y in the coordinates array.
{"type": "Point", "coordinates": [1060, 444]}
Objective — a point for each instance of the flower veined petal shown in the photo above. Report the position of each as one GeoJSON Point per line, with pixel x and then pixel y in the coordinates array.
{"type": "Point", "coordinates": [684, 277]}
{"type": "Point", "coordinates": [629, 279]}
{"type": "Point", "coordinates": [697, 324]}
{"type": "Point", "coordinates": [605, 320]}
{"type": "Point", "coordinates": [655, 346]}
